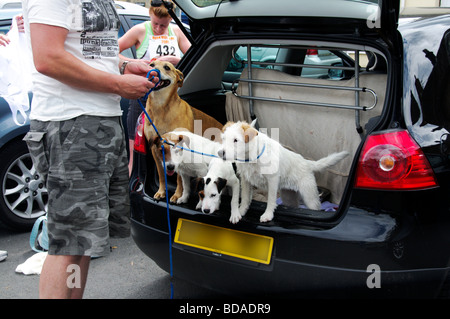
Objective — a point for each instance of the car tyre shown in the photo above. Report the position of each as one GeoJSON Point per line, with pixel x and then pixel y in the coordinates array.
{"type": "Point", "coordinates": [24, 195]}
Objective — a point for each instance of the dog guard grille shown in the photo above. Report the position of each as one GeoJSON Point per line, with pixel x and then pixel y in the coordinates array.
{"type": "Point", "coordinates": [357, 107]}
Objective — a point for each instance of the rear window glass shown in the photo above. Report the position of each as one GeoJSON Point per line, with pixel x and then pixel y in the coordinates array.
{"type": "Point", "coordinates": [207, 3]}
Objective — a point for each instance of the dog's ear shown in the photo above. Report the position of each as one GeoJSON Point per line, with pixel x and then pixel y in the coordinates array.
{"type": "Point", "coordinates": [200, 188]}
{"type": "Point", "coordinates": [155, 141]}
{"type": "Point", "coordinates": [221, 183]}
{"type": "Point", "coordinates": [253, 124]}
{"type": "Point", "coordinates": [180, 78]}
{"type": "Point", "coordinates": [249, 132]}
{"type": "Point", "coordinates": [183, 139]}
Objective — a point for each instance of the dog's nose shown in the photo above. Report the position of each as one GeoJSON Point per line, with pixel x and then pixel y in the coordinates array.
{"type": "Point", "coordinates": [206, 211]}
{"type": "Point", "coordinates": [221, 153]}
{"type": "Point", "coordinates": [171, 167]}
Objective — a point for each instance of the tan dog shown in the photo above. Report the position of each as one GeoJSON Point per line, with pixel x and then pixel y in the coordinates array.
{"type": "Point", "coordinates": [169, 112]}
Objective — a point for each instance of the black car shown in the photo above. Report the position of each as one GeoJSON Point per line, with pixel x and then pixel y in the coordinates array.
{"type": "Point", "coordinates": [384, 227]}
{"type": "Point", "coordinates": [23, 196]}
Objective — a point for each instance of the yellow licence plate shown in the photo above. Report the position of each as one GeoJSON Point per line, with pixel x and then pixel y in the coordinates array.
{"type": "Point", "coordinates": [224, 241]}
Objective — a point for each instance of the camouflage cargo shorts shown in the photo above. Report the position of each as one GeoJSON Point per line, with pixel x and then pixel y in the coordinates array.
{"type": "Point", "coordinates": [85, 164]}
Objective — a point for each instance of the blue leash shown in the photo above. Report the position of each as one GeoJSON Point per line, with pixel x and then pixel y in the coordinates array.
{"type": "Point", "coordinates": [146, 96]}
{"type": "Point", "coordinates": [165, 176]}
{"type": "Point", "coordinates": [170, 228]}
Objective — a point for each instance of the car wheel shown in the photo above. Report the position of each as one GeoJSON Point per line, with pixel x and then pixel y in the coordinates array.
{"type": "Point", "coordinates": [24, 196]}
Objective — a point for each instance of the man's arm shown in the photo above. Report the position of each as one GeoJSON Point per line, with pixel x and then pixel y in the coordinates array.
{"type": "Point", "coordinates": [51, 59]}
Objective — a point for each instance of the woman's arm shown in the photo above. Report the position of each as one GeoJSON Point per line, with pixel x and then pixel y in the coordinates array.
{"type": "Point", "coordinates": [130, 38]}
{"type": "Point", "coordinates": [183, 41]}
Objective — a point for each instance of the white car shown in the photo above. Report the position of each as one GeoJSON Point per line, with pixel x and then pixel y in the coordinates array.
{"type": "Point", "coordinates": [7, 4]}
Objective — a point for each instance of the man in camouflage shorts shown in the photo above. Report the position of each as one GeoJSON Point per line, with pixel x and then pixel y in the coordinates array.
{"type": "Point", "coordinates": [76, 137]}
{"type": "Point", "coordinates": [86, 161]}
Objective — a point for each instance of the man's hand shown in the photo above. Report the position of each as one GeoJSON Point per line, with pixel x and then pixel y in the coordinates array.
{"type": "Point", "coordinates": [137, 68]}
{"type": "Point", "coordinates": [142, 69]}
{"type": "Point", "coordinates": [136, 83]}
{"type": "Point", "coordinates": [135, 86]}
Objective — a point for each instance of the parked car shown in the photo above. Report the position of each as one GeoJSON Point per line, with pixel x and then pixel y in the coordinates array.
{"type": "Point", "coordinates": [23, 194]}
{"type": "Point", "coordinates": [7, 4]}
{"type": "Point", "coordinates": [264, 57]}
{"type": "Point", "coordinates": [387, 233]}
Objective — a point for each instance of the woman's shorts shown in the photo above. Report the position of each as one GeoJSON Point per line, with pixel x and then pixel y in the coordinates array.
{"type": "Point", "coordinates": [86, 166]}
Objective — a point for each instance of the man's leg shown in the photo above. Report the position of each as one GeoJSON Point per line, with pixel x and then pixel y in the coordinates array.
{"type": "Point", "coordinates": [63, 277]}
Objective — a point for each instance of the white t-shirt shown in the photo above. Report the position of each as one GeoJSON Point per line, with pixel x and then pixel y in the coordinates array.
{"type": "Point", "coordinates": [93, 30]}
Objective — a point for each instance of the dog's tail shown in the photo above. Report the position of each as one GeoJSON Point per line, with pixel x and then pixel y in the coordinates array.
{"type": "Point", "coordinates": [328, 161]}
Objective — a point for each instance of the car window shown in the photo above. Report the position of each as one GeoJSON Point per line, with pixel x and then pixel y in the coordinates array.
{"type": "Point", "coordinates": [262, 56]}
{"type": "Point", "coordinates": [318, 58]}
{"type": "Point", "coordinates": [137, 20]}
{"type": "Point", "coordinates": [130, 21]}
{"type": "Point", "coordinates": [4, 27]}
{"type": "Point", "coordinates": [128, 52]}
{"type": "Point", "coordinates": [259, 55]}
{"type": "Point", "coordinates": [285, 59]}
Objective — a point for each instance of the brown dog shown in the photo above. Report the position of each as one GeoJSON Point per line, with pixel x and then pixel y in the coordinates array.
{"type": "Point", "coordinates": [168, 113]}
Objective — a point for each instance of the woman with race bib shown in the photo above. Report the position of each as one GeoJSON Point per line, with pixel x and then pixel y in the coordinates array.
{"type": "Point", "coordinates": [157, 39]}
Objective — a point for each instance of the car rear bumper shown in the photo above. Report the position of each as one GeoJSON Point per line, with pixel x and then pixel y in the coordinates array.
{"type": "Point", "coordinates": [324, 263]}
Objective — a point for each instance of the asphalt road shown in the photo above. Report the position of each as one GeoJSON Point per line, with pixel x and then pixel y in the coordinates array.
{"type": "Point", "coordinates": [125, 274]}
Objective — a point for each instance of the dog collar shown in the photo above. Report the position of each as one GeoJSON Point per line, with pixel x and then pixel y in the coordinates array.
{"type": "Point", "coordinates": [212, 155]}
{"type": "Point", "coordinates": [247, 160]}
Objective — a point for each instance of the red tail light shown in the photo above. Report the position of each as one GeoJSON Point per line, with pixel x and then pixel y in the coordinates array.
{"type": "Point", "coordinates": [140, 143]}
{"type": "Point", "coordinates": [312, 52]}
{"type": "Point", "coordinates": [393, 161]}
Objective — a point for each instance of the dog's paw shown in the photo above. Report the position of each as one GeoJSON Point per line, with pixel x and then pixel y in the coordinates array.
{"type": "Point", "coordinates": [159, 195]}
{"type": "Point", "coordinates": [178, 194]}
{"type": "Point", "coordinates": [182, 200]}
{"type": "Point", "coordinates": [266, 217]}
{"type": "Point", "coordinates": [235, 218]}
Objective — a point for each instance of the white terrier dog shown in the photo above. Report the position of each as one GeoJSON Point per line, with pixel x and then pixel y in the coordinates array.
{"type": "Point", "coordinates": [220, 174]}
{"type": "Point", "coordinates": [264, 163]}
{"type": "Point", "coordinates": [179, 158]}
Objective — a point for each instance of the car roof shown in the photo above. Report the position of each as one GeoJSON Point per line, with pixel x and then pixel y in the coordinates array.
{"type": "Point", "coordinates": [418, 23]}
{"type": "Point", "coordinates": [130, 8]}
{"type": "Point", "coordinates": [8, 4]}
{"type": "Point", "coordinates": [368, 16]}
{"type": "Point", "coordinates": [360, 9]}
